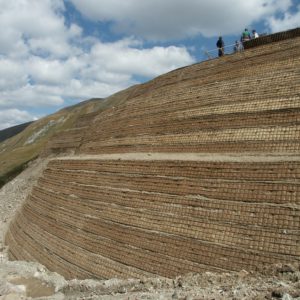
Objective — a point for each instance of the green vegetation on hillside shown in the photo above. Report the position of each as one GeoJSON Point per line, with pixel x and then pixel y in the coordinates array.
{"type": "Point", "coordinates": [18, 150]}
{"type": "Point", "coordinates": [11, 174]}
{"type": "Point", "coordinates": [11, 131]}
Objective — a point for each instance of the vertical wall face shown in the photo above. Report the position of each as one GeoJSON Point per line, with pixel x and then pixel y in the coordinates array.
{"type": "Point", "coordinates": [215, 185]}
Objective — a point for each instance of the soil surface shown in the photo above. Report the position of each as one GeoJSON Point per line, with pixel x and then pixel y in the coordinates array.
{"type": "Point", "coordinates": [31, 280]}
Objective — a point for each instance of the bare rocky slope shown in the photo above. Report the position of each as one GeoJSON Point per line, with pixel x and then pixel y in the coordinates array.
{"type": "Point", "coordinates": [194, 172]}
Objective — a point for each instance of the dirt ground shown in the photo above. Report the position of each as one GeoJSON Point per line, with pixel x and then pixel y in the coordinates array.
{"type": "Point", "coordinates": [30, 280]}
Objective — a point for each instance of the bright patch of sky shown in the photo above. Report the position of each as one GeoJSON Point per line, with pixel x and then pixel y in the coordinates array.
{"type": "Point", "coordinates": [55, 53]}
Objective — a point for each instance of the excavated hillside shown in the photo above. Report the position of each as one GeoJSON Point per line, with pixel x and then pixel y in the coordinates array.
{"type": "Point", "coordinates": [197, 170]}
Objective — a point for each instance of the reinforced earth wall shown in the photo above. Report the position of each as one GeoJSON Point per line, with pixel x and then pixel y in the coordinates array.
{"type": "Point", "coordinates": [197, 170]}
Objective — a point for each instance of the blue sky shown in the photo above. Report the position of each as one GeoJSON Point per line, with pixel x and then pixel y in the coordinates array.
{"type": "Point", "coordinates": [55, 53]}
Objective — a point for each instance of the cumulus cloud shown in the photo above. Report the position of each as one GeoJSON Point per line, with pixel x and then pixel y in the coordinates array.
{"type": "Point", "coordinates": [12, 75]}
{"type": "Point", "coordinates": [11, 117]}
{"type": "Point", "coordinates": [123, 58]}
{"type": "Point", "coordinates": [48, 71]}
{"type": "Point", "coordinates": [27, 22]}
{"type": "Point", "coordinates": [288, 21]}
{"type": "Point", "coordinates": [31, 96]}
{"type": "Point", "coordinates": [175, 19]}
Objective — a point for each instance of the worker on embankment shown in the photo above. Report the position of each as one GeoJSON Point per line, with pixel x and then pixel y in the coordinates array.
{"type": "Point", "coordinates": [220, 44]}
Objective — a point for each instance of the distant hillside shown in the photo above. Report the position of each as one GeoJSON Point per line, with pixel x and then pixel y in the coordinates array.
{"type": "Point", "coordinates": [11, 131]}
{"type": "Point", "coordinates": [82, 103]}
{"type": "Point", "coordinates": [18, 148]}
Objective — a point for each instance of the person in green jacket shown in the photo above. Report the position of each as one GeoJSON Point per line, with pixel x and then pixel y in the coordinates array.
{"type": "Point", "coordinates": [246, 36]}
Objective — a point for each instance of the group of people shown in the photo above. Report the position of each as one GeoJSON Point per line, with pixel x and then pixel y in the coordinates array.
{"type": "Point", "coordinates": [238, 46]}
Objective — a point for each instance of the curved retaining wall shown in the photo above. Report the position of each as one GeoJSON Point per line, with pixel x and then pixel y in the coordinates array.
{"type": "Point", "coordinates": [212, 181]}
{"type": "Point", "coordinates": [107, 218]}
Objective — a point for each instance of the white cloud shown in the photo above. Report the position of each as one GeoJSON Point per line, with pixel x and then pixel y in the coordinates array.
{"type": "Point", "coordinates": [12, 75]}
{"type": "Point", "coordinates": [34, 18]}
{"type": "Point", "coordinates": [31, 96]}
{"type": "Point", "coordinates": [11, 42]}
{"type": "Point", "coordinates": [12, 117]}
{"type": "Point", "coordinates": [48, 71]}
{"type": "Point", "coordinates": [49, 46]}
{"type": "Point", "coordinates": [170, 19]}
{"type": "Point", "coordinates": [86, 89]}
{"type": "Point", "coordinates": [288, 21]}
{"type": "Point", "coordinates": [22, 22]}
{"type": "Point", "coordinates": [123, 58]}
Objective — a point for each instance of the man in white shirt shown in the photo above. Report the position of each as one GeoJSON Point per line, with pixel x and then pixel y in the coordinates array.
{"type": "Point", "coordinates": [254, 34]}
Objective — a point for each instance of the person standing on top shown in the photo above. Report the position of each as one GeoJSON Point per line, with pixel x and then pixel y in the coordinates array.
{"type": "Point", "coordinates": [220, 44]}
{"type": "Point", "coordinates": [254, 34]}
{"type": "Point", "coordinates": [246, 35]}
{"type": "Point", "coordinates": [237, 47]}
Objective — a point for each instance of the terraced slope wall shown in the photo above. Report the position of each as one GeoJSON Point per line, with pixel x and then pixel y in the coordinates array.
{"type": "Point", "coordinates": [197, 170]}
{"type": "Point", "coordinates": [70, 140]}
{"type": "Point", "coordinates": [247, 102]}
{"type": "Point", "coordinates": [107, 218]}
